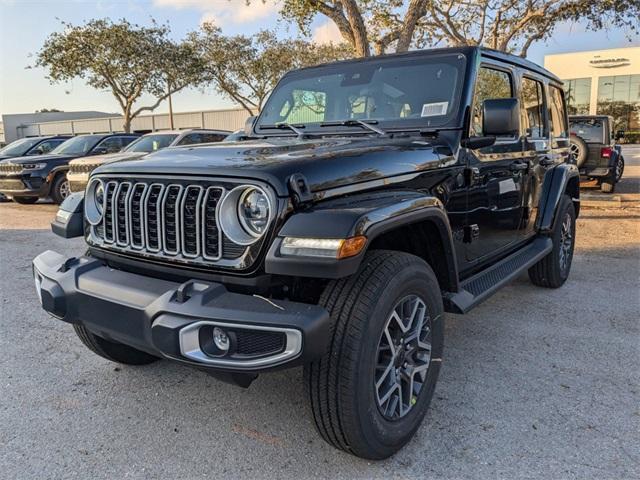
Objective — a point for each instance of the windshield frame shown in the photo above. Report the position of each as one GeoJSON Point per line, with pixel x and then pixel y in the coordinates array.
{"type": "Point", "coordinates": [21, 141]}
{"type": "Point", "coordinates": [58, 149]}
{"type": "Point", "coordinates": [453, 120]}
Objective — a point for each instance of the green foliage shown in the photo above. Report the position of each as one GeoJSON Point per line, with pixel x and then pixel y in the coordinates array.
{"type": "Point", "coordinates": [247, 68]}
{"type": "Point", "coordinates": [126, 59]}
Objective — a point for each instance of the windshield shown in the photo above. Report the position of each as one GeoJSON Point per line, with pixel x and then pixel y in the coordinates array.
{"type": "Point", "coordinates": [77, 145]}
{"type": "Point", "coordinates": [591, 130]}
{"type": "Point", "coordinates": [403, 93]}
{"type": "Point", "coordinates": [151, 143]}
{"type": "Point", "coordinates": [19, 147]}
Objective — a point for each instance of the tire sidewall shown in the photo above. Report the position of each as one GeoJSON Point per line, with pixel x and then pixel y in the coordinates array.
{"type": "Point", "coordinates": [386, 436]}
{"type": "Point", "coordinates": [565, 207]}
{"type": "Point", "coordinates": [56, 195]}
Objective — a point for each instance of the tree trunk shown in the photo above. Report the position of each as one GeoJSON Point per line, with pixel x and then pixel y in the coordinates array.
{"type": "Point", "coordinates": [126, 118]}
{"type": "Point", "coordinates": [360, 38]}
{"type": "Point", "coordinates": [414, 13]}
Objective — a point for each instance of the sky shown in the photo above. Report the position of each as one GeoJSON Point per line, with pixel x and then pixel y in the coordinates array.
{"type": "Point", "coordinates": [25, 24]}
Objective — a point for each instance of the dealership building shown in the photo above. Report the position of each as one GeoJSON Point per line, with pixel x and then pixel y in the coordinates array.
{"type": "Point", "coordinates": [601, 82]}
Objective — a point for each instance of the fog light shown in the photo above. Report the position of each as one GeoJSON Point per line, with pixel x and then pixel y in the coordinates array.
{"type": "Point", "coordinates": [221, 339]}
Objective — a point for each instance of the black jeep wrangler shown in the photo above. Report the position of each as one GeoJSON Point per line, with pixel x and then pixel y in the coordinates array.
{"type": "Point", "coordinates": [368, 198]}
{"type": "Point", "coordinates": [595, 150]}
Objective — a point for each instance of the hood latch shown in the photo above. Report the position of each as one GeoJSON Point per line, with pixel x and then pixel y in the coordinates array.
{"type": "Point", "coordinates": [299, 190]}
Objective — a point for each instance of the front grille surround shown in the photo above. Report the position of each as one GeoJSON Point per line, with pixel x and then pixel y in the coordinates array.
{"type": "Point", "coordinates": [174, 221]}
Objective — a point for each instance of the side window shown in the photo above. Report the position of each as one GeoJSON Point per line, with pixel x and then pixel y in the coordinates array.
{"type": "Point", "coordinates": [109, 145]}
{"type": "Point", "coordinates": [557, 113]}
{"type": "Point", "coordinates": [532, 108]}
{"type": "Point", "coordinates": [191, 139]}
{"type": "Point", "coordinates": [212, 137]}
{"type": "Point", "coordinates": [44, 147]}
{"type": "Point", "coordinates": [491, 83]}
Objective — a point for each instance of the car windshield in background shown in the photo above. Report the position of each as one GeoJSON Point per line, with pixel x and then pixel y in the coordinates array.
{"type": "Point", "coordinates": [151, 143]}
{"type": "Point", "coordinates": [77, 145]}
{"type": "Point", "coordinates": [590, 130]}
{"type": "Point", "coordinates": [19, 147]}
{"type": "Point", "coordinates": [402, 93]}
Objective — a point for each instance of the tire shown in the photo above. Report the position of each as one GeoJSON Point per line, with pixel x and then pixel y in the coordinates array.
{"type": "Point", "coordinates": [552, 271]}
{"type": "Point", "coordinates": [25, 200]}
{"type": "Point", "coordinates": [607, 185]}
{"type": "Point", "coordinates": [619, 168]}
{"type": "Point", "coordinates": [113, 351]}
{"type": "Point", "coordinates": [60, 189]}
{"type": "Point", "coordinates": [579, 150]}
{"type": "Point", "coordinates": [341, 385]}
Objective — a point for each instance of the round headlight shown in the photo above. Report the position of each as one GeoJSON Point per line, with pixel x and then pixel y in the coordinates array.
{"type": "Point", "coordinates": [244, 214]}
{"type": "Point", "coordinates": [253, 211]}
{"type": "Point", "coordinates": [94, 201]}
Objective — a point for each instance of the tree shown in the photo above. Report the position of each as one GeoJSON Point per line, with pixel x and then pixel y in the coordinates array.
{"type": "Point", "coordinates": [126, 59]}
{"type": "Point", "coordinates": [507, 25]}
{"type": "Point", "coordinates": [247, 68]}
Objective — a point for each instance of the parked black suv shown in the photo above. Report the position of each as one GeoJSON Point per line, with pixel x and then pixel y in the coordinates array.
{"type": "Point", "coordinates": [368, 198]}
{"type": "Point", "coordinates": [595, 149]}
{"type": "Point", "coordinates": [29, 178]}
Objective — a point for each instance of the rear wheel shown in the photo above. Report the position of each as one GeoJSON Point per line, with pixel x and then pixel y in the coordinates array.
{"type": "Point", "coordinates": [619, 168]}
{"type": "Point", "coordinates": [25, 200]}
{"type": "Point", "coordinates": [372, 388]}
{"type": "Point", "coordinates": [113, 351]}
{"type": "Point", "coordinates": [60, 188]}
{"type": "Point", "coordinates": [553, 270]}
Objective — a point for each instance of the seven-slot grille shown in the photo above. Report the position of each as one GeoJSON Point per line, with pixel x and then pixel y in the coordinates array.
{"type": "Point", "coordinates": [163, 219]}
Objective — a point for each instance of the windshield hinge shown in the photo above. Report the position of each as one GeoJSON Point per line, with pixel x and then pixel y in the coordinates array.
{"type": "Point", "coordinates": [299, 190]}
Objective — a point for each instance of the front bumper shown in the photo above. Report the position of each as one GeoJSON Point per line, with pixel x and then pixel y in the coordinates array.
{"type": "Point", "coordinates": [24, 184]}
{"type": "Point", "coordinates": [77, 180]}
{"type": "Point", "coordinates": [174, 320]}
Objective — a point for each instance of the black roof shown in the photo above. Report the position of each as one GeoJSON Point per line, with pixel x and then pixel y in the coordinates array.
{"type": "Point", "coordinates": [469, 51]}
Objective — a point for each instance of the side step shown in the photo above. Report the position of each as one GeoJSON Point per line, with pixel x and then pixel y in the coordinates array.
{"type": "Point", "coordinates": [482, 285]}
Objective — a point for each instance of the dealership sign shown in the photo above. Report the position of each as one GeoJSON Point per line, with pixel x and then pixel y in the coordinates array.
{"type": "Point", "coordinates": [598, 62]}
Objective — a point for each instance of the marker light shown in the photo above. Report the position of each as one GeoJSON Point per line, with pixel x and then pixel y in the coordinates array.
{"type": "Point", "coordinates": [323, 247]}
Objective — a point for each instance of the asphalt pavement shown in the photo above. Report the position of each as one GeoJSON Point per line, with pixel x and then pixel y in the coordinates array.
{"type": "Point", "coordinates": [535, 383]}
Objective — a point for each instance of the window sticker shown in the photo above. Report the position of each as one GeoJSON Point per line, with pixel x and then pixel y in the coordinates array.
{"type": "Point", "coordinates": [434, 109]}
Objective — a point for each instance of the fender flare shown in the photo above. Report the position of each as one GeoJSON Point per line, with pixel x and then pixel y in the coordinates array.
{"type": "Point", "coordinates": [563, 178]}
{"type": "Point", "coordinates": [371, 215]}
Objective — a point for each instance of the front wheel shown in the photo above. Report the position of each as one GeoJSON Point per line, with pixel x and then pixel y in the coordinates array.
{"type": "Point", "coordinates": [372, 388]}
{"type": "Point", "coordinates": [60, 189]}
{"type": "Point", "coordinates": [553, 270]}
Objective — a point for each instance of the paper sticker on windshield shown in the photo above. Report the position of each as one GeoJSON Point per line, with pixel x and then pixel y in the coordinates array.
{"type": "Point", "coordinates": [434, 109]}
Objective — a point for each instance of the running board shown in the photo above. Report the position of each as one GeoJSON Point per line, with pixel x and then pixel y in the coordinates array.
{"type": "Point", "coordinates": [482, 285]}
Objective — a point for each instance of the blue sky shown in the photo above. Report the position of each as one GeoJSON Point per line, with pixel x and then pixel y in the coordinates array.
{"type": "Point", "coordinates": [24, 25]}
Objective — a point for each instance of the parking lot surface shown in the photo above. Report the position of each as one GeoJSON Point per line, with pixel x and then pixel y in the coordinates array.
{"type": "Point", "coordinates": [535, 384]}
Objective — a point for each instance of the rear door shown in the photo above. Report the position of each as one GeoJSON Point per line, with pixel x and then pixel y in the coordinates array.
{"type": "Point", "coordinates": [495, 196]}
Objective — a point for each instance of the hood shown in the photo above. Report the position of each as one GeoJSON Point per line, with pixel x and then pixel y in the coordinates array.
{"type": "Point", "coordinates": [4, 157]}
{"type": "Point", "coordinates": [47, 157]}
{"type": "Point", "coordinates": [111, 157]}
{"type": "Point", "coordinates": [326, 163]}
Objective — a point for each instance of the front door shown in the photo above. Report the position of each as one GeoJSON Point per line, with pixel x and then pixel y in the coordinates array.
{"type": "Point", "coordinates": [499, 175]}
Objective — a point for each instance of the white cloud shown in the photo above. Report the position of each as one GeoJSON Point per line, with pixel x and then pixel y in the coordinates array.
{"type": "Point", "coordinates": [223, 12]}
{"type": "Point", "coordinates": [327, 33]}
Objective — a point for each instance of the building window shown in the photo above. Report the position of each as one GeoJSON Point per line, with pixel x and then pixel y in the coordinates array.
{"type": "Point", "coordinates": [619, 96]}
{"type": "Point", "coordinates": [578, 95]}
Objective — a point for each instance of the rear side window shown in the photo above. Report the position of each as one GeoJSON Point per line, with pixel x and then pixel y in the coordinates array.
{"type": "Point", "coordinates": [127, 140]}
{"type": "Point", "coordinates": [557, 113]}
{"type": "Point", "coordinates": [111, 144]}
{"type": "Point", "coordinates": [491, 83]}
{"type": "Point", "coordinates": [591, 130]}
{"type": "Point", "coordinates": [532, 108]}
{"type": "Point", "coordinates": [203, 137]}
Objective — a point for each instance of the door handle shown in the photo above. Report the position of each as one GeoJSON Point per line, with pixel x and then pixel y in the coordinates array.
{"type": "Point", "coordinates": [518, 166]}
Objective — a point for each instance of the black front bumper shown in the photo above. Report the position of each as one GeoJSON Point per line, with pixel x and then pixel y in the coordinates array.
{"type": "Point", "coordinates": [170, 320]}
{"type": "Point", "coordinates": [33, 184]}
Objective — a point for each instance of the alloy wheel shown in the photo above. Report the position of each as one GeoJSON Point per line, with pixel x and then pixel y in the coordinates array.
{"type": "Point", "coordinates": [64, 189]}
{"type": "Point", "coordinates": [566, 243]}
{"type": "Point", "coordinates": [403, 358]}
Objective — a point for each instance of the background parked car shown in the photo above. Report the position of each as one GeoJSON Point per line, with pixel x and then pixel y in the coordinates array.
{"type": "Point", "coordinates": [28, 178]}
{"type": "Point", "coordinates": [81, 168]}
{"type": "Point", "coordinates": [595, 149]}
{"type": "Point", "coordinates": [32, 146]}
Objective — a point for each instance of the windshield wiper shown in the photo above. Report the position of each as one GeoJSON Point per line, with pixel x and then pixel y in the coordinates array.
{"type": "Point", "coordinates": [284, 126]}
{"type": "Point", "coordinates": [352, 122]}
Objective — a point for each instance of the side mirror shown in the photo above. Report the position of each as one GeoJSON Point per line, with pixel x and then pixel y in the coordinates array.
{"type": "Point", "coordinates": [501, 117]}
{"type": "Point", "coordinates": [619, 134]}
{"type": "Point", "coordinates": [99, 151]}
{"type": "Point", "coordinates": [248, 125]}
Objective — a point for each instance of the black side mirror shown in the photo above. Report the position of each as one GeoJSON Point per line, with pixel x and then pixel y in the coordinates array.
{"type": "Point", "coordinates": [99, 151]}
{"type": "Point", "coordinates": [619, 134]}
{"type": "Point", "coordinates": [501, 117]}
{"type": "Point", "coordinates": [248, 125]}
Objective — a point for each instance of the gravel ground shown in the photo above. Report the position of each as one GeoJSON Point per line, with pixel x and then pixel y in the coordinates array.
{"type": "Point", "coordinates": [535, 384]}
